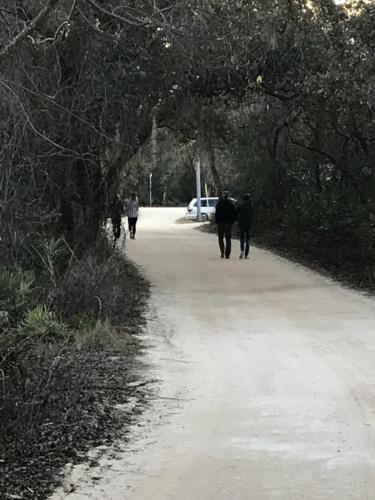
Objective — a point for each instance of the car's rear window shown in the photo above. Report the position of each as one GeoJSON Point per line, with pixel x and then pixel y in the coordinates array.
{"type": "Point", "coordinates": [203, 203]}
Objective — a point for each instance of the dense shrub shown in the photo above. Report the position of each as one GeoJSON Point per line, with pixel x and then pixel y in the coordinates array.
{"type": "Point", "coordinates": [102, 285]}
{"type": "Point", "coordinates": [93, 305]}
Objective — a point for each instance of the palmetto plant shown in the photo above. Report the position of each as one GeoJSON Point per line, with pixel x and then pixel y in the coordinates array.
{"type": "Point", "coordinates": [17, 292]}
{"type": "Point", "coordinates": [40, 322]}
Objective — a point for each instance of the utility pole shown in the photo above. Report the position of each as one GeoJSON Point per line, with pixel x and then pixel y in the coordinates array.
{"type": "Point", "coordinates": [154, 151]}
{"type": "Point", "coordinates": [199, 190]}
{"type": "Point", "coordinates": [150, 188]}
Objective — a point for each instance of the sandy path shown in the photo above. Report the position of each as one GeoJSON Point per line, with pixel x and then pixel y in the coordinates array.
{"type": "Point", "coordinates": [266, 380]}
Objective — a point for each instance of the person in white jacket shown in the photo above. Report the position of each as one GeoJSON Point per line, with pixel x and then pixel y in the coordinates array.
{"type": "Point", "coordinates": [132, 210]}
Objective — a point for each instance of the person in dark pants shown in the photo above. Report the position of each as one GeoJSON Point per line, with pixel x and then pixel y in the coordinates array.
{"type": "Point", "coordinates": [244, 219]}
{"type": "Point", "coordinates": [225, 216]}
{"type": "Point", "coordinates": [116, 210]}
{"type": "Point", "coordinates": [132, 208]}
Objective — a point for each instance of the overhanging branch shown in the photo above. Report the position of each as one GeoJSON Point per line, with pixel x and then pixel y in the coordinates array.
{"type": "Point", "coordinates": [43, 14]}
{"type": "Point", "coordinates": [122, 19]}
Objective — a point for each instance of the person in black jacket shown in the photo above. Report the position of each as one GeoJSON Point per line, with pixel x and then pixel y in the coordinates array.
{"type": "Point", "coordinates": [225, 216]}
{"type": "Point", "coordinates": [116, 209]}
{"type": "Point", "coordinates": [244, 219]}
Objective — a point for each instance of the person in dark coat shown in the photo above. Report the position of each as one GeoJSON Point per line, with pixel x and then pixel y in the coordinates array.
{"type": "Point", "coordinates": [116, 210]}
{"type": "Point", "coordinates": [225, 216]}
{"type": "Point", "coordinates": [245, 219]}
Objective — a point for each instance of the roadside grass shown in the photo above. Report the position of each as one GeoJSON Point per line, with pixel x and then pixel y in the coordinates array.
{"type": "Point", "coordinates": [103, 336]}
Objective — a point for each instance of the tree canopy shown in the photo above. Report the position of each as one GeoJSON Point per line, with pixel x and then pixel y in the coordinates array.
{"type": "Point", "coordinates": [276, 96]}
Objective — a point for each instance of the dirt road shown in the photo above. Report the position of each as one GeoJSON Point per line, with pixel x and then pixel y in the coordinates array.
{"type": "Point", "coordinates": [266, 380]}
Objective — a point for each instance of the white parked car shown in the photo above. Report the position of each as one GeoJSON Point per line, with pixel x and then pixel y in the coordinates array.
{"type": "Point", "coordinates": [208, 206]}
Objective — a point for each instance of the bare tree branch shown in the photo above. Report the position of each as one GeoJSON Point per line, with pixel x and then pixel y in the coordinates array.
{"type": "Point", "coordinates": [32, 126]}
{"type": "Point", "coordinates": [43, 14]}
{"type": "Point", "coordinates": [74, 5]}
{"type": "Point", "coordinates": [59, 106]}
{"type": "Point", "coordinates": [7, 11]}
{"type": "Point", "coordinates": [92, 26]}
{"type": "Point", "coordinates": [122, 19]}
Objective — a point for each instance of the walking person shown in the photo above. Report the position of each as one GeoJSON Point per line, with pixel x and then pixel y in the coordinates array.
{"type": "Point", "coordinates": [225, 216]}
{"type": "Point", "coordinates": [116, 210]}
{"type": "Point", "coordinates": [245, 214]}
{"type": "Point", "coordinates": [132, 209]}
